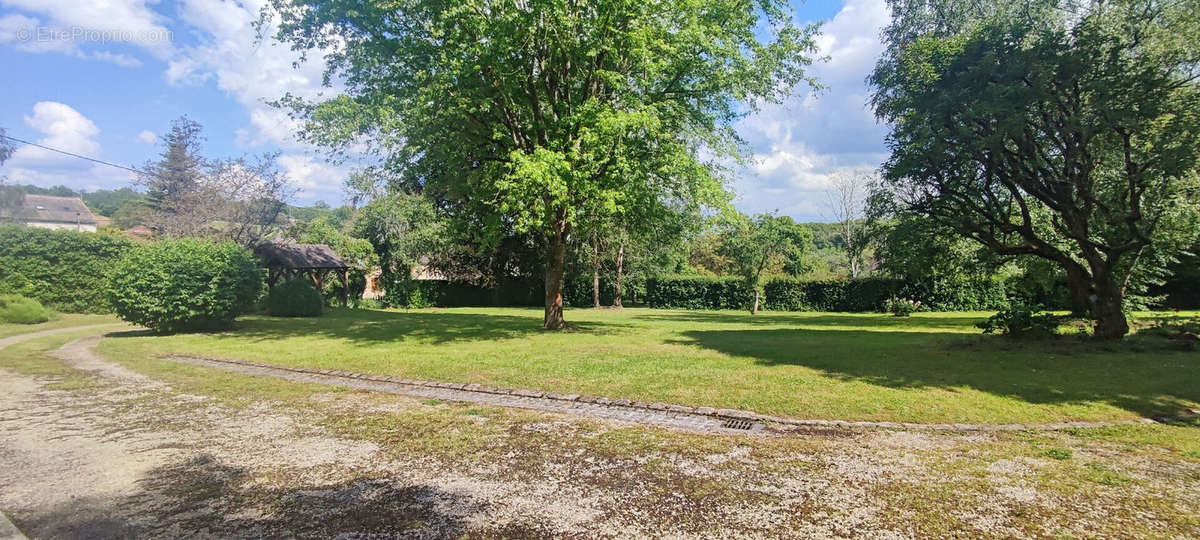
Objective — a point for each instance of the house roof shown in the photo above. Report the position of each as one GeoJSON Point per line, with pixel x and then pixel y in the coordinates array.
{"type": "Point", "coordinates": [298, 256]}
{"type": "Point", "coordinates": [51, 209]}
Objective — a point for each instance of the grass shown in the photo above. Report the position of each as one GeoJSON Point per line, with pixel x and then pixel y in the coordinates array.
{"type": "Point", "coordinates": [1130, 471]}
{"type": "Point", "coordinates": [62, 321]}
{"type": "Point", "coordinates": [924, 368]}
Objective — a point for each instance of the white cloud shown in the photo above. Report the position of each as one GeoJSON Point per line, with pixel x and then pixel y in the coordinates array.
{"type": "Point", "coordinates": [254, 72]}
{"type": "Point", "coordinates": [800, 143]}
{"type": "Point", "coordinates": [86, 29]}
{"type": "Point", "coordinates": [316, 178]}
{"type": "Point", "coordinates": [147, 137]}
{"type": "Point", "coordinates": [64, 128]}
{"type": "Point", "coordinates": [251, 70]}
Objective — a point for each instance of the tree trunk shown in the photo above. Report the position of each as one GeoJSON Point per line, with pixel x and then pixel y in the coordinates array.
{"type": "Point", "coordinates": [754, 308]}
{"type": "Point", "coordinates": [553, 319]}
{"type": "Point", "coordinates": [1106, 308]}
{"type": "Point", "coordinates": [595, 275]}
{"type": "Point", "coordinates": [1079, 284]}
{"type": "Point", "coordinates": [619, 292]}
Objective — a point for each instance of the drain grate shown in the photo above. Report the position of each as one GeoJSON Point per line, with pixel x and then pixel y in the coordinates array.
{"type": "Point", "coordinates": [737, 424]}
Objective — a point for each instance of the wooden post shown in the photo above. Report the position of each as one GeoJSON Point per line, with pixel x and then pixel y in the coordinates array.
{"type": "Point", "coordinates": [345, 287]}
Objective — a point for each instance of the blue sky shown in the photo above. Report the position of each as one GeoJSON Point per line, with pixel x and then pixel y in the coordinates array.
{"type": "Point", "coordinates": [103, 79]}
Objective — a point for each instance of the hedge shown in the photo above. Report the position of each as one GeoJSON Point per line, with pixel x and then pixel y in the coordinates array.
{"type": "Point", "coordinates": [696, 292]}
{"type": "Point", "coordinates": [516, 292]}
{"type": "Point", "coordinates": [64, 270]}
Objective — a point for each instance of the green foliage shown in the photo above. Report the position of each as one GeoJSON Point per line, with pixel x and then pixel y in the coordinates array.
{"type": "Point", "coordinates": [64, 270]}
{"type": "Point", "coordinates": [106, 202]}
{"type": "Point", "coordinates": [187, 284]}
{"type": "Point", "coordinates": [16, 309]}
{"type": "Point", "coordinates": [1051, 129]}
{"type": "Point", "coordinates": [871, 294]}
{"type": "Point", "coordinates": [757, 245]}
{"type": "Point", "coordinates": [402, 228]}
{"type": "Point", "coordinates": [133, 213]}
{"type": "Point", "coordinates": [538, 117]}
{"type": "Point", "coordinates": [295, 298]}
{"type": "Point", "coordinates": [1022, 321]}
{"type": "Point", "coordinates": [578, 292]}
{"type": "Point", "coordinates": [697, 292]}
{"type": "Point", "coordinates": [901, 307]}
{"type": "Point", "coordinates": [357, 252]}
{"type": "Point", "coordinates": [414, 293]}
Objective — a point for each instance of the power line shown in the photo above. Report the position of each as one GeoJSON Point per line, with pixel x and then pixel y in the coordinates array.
{"type": "Point", "coordinates": [71, 154]}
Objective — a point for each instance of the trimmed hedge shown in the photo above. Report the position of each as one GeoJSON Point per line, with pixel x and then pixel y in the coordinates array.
{"type": "Point", "coordinates": [413, 293]}
{"type": "Point", "coordinates": [189, 284]}
{"type": "Point", "coordinates": [698, 292]}
{"type": "Point", "coordinates": [64, 270]}
{"type": "Point", "coordinates": [440, 293]}
{"type": "Point", "coordinates": [701, 292]}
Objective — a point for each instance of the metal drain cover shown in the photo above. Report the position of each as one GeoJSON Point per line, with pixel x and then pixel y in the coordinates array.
{"type": "Point", "coordinates": [734, 423]}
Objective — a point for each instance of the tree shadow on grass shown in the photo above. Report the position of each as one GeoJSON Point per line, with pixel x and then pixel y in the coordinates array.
{"type": "Point", "coordinates": [1157, 383]}
{"type": "Point", "coordinates": [366, 327]}
{"type": "Point", "coordinates": [203, 497]}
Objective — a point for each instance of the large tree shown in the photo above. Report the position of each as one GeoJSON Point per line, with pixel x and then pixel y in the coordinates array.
{"type": "Point", "coordinates": [529, 115]}
{"type": "Point", "coordinates": [1061, 130]}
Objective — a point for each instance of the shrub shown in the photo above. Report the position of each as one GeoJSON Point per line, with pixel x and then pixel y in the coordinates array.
{"type": "Point", "coordinates": [63, 270]}
{"type": "Point", "coordinates": [188, 284]}
{"type": "Point", "coordinates": [410, 293]}
{"type": "Point", "coordinates": [1022, 321]}
{"type": "Point", "coordinates": [901, 307]}
{"type": "Point", "coordinates": [295, 298]}
{"type": "Point", "coordinates": [18, 309]}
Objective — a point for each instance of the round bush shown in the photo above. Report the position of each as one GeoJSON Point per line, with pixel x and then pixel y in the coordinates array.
{"type": "Point", "coordinates": [189, 284]}
{"type": "Point", "coordinates": [295, 298]}
{"type": "Point", "coordinates": [17, 309]}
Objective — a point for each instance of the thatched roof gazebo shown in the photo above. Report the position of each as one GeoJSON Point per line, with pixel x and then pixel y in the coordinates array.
{"type": "Point", "coordinates": [291, 260]}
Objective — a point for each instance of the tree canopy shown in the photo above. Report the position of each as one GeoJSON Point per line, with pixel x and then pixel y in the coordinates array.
{"type": "Point", "coordinates": [1061, 130]}
{"type": "Point", "coordinates": [536, 115]}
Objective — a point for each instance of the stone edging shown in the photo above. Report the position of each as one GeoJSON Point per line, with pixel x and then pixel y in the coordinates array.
{"type": "Point", "coordinates": [775, 423]}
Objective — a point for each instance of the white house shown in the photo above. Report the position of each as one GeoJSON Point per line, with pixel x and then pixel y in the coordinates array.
{"type": "Point", "coordinates": [49, 212]}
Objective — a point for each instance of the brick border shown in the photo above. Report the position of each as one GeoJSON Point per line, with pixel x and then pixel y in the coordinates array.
{"type": "Point", "coordinates": [773, 423]}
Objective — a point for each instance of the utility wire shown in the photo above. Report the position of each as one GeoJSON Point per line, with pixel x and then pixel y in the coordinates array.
{"type": "Point", "coordinates": [71, 154]}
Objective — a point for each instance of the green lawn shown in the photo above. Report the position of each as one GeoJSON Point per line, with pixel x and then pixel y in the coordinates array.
{"type": "Point", "coordinates": [62, 321]}
{"type": "Point", "coordinates": [927, 368]}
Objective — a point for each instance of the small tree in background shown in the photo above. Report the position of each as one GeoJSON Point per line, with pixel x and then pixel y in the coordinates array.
{"type": "Point", "coordinates": [847, 202]}
{"type": "Point", "coordinates": [762, 243]}
{"type": "Point", "coordinates": [239, 199]}
{"type": "Point", "coordinates": [185, 285]}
